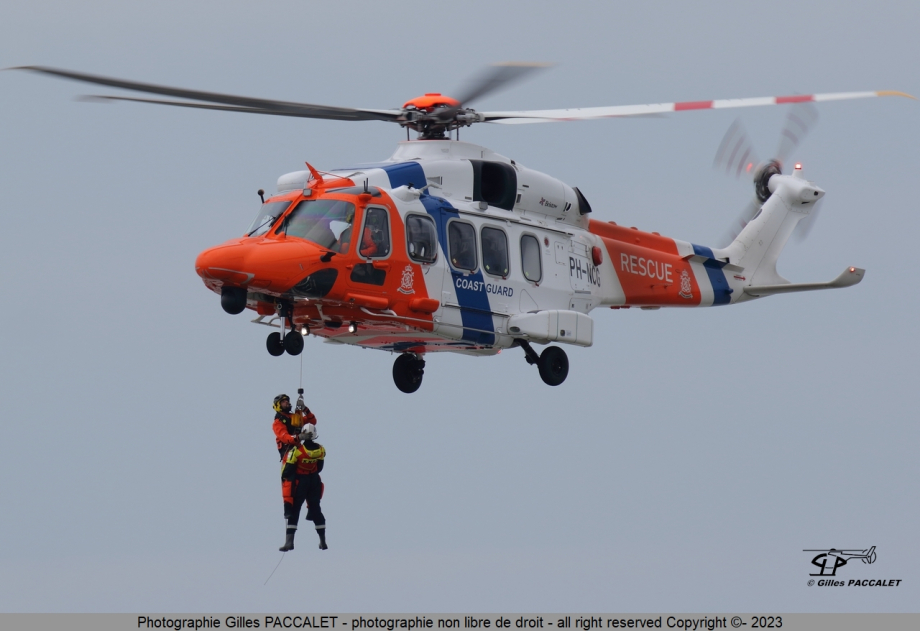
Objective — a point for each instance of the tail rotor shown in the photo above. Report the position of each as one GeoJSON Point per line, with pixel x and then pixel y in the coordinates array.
{"type": "Point", "coordinates": [737, 157]}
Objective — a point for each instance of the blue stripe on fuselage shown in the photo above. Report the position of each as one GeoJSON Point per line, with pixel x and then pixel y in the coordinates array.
{"type": "Point", "coordinates": [475, 311]}
{"type": "Point", "coordinates": [405, 173]}
{"type": "Point", "coordinates": [721, 292]}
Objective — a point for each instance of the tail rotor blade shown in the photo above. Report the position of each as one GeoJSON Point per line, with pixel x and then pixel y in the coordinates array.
{"type": "Point", "coordinates": [807, 225]}
{"type": "Point", "coordinates": [743, 219]}
{"type": "Point", "coordinates": [736, 152]}
{"type": "Point", "coordinates": [800, 119]}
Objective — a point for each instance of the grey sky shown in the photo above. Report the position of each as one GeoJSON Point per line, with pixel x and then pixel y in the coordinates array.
{"type": "Point", "coordinates": [686, 463]}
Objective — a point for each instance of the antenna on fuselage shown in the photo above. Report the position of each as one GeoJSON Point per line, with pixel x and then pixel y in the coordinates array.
{"type": "Point", "coordinates": [262, 195]}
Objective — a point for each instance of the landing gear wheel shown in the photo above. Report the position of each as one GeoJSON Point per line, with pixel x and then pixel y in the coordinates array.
{"type": "Point", "coordinates": [553, 365]}
{"type": "Point", "coordinates": [293, 343]}
{"type": "Point", "coordinates": [274, 344]}
{"type": "Point", "coordinates": [408, 370]}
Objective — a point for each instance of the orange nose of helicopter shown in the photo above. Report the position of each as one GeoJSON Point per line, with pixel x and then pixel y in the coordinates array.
{"type": "Point", "coordinates": [273, 266]}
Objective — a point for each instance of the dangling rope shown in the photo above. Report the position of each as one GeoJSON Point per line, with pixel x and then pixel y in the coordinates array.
{"type": "Point", "coordinates": [273, 571]}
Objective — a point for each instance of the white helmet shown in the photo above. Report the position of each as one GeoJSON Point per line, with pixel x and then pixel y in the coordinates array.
{"type": "Point", "coordinates": [309, 432]}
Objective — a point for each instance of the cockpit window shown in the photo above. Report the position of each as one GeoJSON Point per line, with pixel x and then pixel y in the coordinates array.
{"type": "Point", "coordinates": [375, 242]}
{"type": "Point", "coordinates": [266, 218]}
{"type": "Point", "coordinates": [325, 222]}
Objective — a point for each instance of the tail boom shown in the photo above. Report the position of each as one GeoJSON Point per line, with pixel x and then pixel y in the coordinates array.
{"type": "Point", "coordinates": [650, 271]}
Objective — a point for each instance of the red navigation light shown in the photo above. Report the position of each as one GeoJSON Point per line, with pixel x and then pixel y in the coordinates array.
{"type": "Point", "coordinates": [597, 255]}
{"type": "Point", "coordinates": [798, 166]}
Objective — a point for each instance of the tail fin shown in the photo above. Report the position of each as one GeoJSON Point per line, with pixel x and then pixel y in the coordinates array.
{"type": "Point", "coordinates": [758, 246]}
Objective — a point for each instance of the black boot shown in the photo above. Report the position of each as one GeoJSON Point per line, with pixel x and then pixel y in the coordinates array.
{"type": "Point", "coordinates": [321, 531]}
{"type": "Point", "coordinates": [288, 541]}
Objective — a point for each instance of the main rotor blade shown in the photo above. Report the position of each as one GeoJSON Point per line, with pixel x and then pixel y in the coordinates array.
{"type": "Point", "coordinates": [496, 77]}
{"type": "Point", "coordinates": [203, 106]}
{"type": "Point", "coordinates": [616, 111]}
{"type": "Point", "coordinates": [244, 103]}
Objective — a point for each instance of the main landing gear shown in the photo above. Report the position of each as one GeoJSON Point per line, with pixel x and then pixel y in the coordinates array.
{"type": "Point", "coordinates": [290, 341]}
{"type": "Point", "coordinates": [408, 370]}
{"type": "Point", "coordinates": [552, 362]}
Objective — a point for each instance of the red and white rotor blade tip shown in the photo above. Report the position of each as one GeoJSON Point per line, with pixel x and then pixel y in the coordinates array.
{"type": "Point", "coordinates": [617, 111]}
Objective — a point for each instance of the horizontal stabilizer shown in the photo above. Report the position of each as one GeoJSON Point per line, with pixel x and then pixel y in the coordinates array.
{"type": "Point", "coordinates": [850, 276]}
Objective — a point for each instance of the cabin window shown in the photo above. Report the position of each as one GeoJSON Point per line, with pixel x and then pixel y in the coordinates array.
{"type": "Point", "coordinates": [421, 239]}
{"type": "Point", "coordinates": [461, 238]}
{"type": "Point", "coordinates": [530, 258]}
{"type": "Point", "coordinates": [268, 215]}
{"type": "Point", "coordinates": [375, 240]}
{"type": "Point", "coordinates": [494, 251]}
{"type": "Point", "coordinates": [325, 222]}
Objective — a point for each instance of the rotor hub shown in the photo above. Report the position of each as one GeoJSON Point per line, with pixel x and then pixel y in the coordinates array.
{"type": "Point", "coordinates": [762, 180]}
{"type": "Point", "coordinates": [434, 115]}
{"type": "Point", "coordinates": [430, 102]}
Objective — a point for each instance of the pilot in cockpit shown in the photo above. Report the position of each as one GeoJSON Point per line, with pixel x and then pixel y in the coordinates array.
{"type": "Point", "coordinates": [374, 240]}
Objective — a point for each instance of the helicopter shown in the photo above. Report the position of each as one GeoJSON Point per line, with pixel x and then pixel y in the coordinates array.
{"type": "Point", "coordinates": [447, 246]}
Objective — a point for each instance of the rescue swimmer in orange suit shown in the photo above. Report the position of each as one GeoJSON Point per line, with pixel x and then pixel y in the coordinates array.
{"type": "Point", "coordinates": [300, 483]}
{"type": "Point", "coordinates": [287, 425]}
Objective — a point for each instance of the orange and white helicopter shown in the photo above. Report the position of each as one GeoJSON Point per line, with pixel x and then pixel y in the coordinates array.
{"type": "Point", "coordinates": [448, 246]}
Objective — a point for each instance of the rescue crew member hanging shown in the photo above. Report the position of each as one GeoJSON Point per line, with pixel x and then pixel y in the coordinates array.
{"type": "Point", "coordinates": [288, 425]}
{"type": "Point", "coordinates": [300, 483]}
{"type": "Point", "coordinates": [302, 460]}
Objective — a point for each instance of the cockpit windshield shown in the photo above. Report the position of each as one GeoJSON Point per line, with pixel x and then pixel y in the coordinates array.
{"type": "Point", "coordinates": [325, 222]}
{"type": "Point", "coordinates": [266, 218]}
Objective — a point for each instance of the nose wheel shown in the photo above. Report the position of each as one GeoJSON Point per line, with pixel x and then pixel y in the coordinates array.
{"type": "Point", "coordinates": [274, 344]}
{"type": "Point", "coordinates": [408, 370]}
{"type": "Point", "coordinates": [553, 363]}
{"type": "Point", "coordinates": [292, 343]}
{"type": "Point", "coordinates": [288, 339]}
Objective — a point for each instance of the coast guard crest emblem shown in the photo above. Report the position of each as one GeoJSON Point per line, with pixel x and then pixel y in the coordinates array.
{"type": "Point", "coordinates": [408, 281]}
{"type": "Point", "coordinates": [686, 290]}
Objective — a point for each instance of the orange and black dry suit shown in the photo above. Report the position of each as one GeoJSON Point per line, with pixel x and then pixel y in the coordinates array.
{"type": "Point", "coordinates": [300, 482]}
{"type": "Point", "coordinates": [287, 426]}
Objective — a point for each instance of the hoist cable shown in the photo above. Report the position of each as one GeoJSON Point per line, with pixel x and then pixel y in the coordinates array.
{"type": "Point", "coordinates": [273, 571]}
